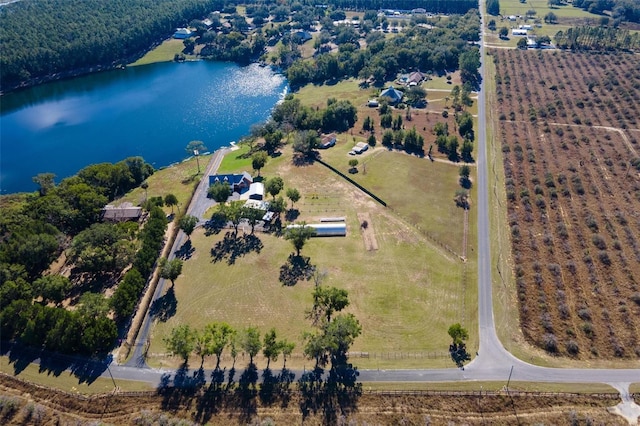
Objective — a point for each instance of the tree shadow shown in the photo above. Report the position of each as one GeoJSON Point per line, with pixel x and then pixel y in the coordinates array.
{"type": "Point", "coordinates": [246, 393]}
{"type": "Point", "coordinates": [214, 225]}
{"type": "Point", "coordinates": [459, 354]}
{"type": "Point", "coordinates": [185, 251]}
{"type": "Point", "coordinates": [334, 397]}
{"type": "Point", "coordinates": [231, 247]}
{"type": "Point", "coordinates": [211, 401]}
{"type": "Point", "coordinates": [302, 160]}
{"type": "Point", "coordinates": [296, 268]}
{"type": "Point", "coordinates": [164, 307]}
{"type": "Point", "coordinates": [292, 215]}
{"type": "Point", "coordinates": [85, 369]}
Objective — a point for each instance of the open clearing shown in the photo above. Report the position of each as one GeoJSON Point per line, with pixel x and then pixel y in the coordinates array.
{"type": "Point", "coordinates": [573, 198]}
{"type": "Point", "coordinates": [405, 294]}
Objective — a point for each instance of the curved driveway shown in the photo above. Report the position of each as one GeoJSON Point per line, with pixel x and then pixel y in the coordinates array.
{"type": "Point", "coordinates": [493, 363]}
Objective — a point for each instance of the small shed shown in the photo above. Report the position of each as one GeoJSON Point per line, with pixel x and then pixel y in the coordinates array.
{"type": "Point", "coordinates": [255, 192]}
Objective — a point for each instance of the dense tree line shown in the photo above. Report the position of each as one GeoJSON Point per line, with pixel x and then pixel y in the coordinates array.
{"type": "Point", "coordinates": [621, 10]}
{"type": "Point", "coordinates": [46, 37]}
{"type": "Point", "coordinates": [597, 38]}
{"type": "Point", "coordinates": [35, 228]}
{"type": "Point", "coordinates": [434, 6]}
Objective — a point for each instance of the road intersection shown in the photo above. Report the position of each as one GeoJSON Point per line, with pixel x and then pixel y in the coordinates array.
{"type": "Point", "coordinates": [493, 362]}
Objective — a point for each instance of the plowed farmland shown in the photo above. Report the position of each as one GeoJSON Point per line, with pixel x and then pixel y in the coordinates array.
{"type": "Point", "coordinates": [571, 144]}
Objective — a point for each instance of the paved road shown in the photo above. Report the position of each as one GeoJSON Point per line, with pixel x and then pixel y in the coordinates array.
{"type": "Point", "coordinates": [198, 206]}
{"type": "Point", "coordinates": [493, 362]}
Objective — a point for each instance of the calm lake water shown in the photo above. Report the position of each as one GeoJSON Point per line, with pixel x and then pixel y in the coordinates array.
{"type": "Point", "coordinates": [152, 111]}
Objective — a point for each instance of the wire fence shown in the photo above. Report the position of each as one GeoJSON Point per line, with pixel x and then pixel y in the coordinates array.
{"type": "Point", "coordinates": [613, 396]}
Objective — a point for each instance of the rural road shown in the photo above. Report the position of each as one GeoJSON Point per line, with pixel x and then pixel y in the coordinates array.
{"type": "Point", "coordinates": [493, 363]}
{"type": "Point", "coordinates": [198, 206]}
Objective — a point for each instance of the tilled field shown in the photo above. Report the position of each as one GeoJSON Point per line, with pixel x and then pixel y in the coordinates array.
{"type": "Point", "coordinates": [569, 133]}
{"type": "Point", "coordinates": [36, 405]}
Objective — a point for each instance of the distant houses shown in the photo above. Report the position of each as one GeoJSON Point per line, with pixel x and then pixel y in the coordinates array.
{"type": "Point", "coordinates": [182, 33]}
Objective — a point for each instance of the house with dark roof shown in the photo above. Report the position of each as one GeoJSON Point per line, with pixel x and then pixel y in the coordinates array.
{"type": "Point", "coordinates": [393, 94]}
{"type": "Point", "coordinates": [301, 37]}
{"type": "Point", "coordinates": [238, 182]}
{"type": "Point", "coordinates": [415, 78]}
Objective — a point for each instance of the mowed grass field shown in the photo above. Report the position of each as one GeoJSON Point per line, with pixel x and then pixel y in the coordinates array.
{"type": "Point", "coordinates": [405, 294]}
{"type": "Point", "coordinates": [178, 179]}
{"type": "Point", "coordinates": [165, 52]}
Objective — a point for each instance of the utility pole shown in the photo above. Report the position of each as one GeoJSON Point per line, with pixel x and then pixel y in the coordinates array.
{"type": "Point", "coordinates": [197, 154]}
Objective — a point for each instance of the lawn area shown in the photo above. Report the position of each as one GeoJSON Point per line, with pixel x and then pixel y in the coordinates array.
{"type": "Point", "coordinates": [405, 294]}
{"type": "Point", "coordinates": [165, 52]}
{"type": "Point", "coordinates": [348, 90]}
{"type": "Point", "coordinates": [68, 382]}
{"type": "Point", "coordinates": [473, 386]}
{"type": "Point", "coordinates": [178, 179]}
{"type": "Point", "coordinates": [514, 7]}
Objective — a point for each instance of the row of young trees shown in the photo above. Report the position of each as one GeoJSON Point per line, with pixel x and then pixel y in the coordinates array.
{"type": "Point", "coordinates": [217, 337]}
{"type": "Point", "coordinates": [43, 38]}
{"type": "Point", "coordinates": [597, 38]}
{"type": "Point", "coordinates": [328, 344]}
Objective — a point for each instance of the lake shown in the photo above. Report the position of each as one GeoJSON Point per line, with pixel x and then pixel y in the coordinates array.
{"type": "Point", "coordinates": [152, 111]}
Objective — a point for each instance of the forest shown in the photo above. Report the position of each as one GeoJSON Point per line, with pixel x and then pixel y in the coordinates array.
{"type": "Point", "coordinates": [621, 10]}
{"type": "Point", "coordinates": [48, 37]}
{"type": "Point", "coordinates": [56, 38]}
{"type": "Point", "coordinates": [65, 220]}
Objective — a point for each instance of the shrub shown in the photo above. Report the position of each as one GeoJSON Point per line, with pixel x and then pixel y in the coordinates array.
{"type": "Point", "coordinates": [587, 329]}
{"type": "Point", "coordinates": [550, 343]}
{"type": "Point", "coordinates": [584, 314]}
{"type": "Point", "coordinates": [572, 347]}
{"type": "Point", "coordinates": [598, 241]}
{"type": "Point", "coordinates": [604, 258]}
{"type": "Point", "coordinates": [636, 297]}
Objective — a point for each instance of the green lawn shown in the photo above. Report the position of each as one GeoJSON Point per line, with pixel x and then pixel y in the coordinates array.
{"type": "Point", "coordinates": [405, 294]}
{"type": "Point", "coordinates": [514, 7]}
{"type": "Point", "coordinates": [178, 179]}
{"type": "Point", "coordinates": [165, 52]}
{"type": "Point", "coordinates": [348, 90]}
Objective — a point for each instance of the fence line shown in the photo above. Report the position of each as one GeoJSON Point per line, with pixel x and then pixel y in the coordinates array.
{"type": "Point", "coordinates": [423, 392]}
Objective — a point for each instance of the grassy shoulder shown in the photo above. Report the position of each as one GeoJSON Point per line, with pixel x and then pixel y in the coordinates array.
{"type": "Point", "coordinates": [405, 293]}
{"type": "Point", "coordinates": [67, 382]}
{"type": "Point", "coordinates": [480, 386]}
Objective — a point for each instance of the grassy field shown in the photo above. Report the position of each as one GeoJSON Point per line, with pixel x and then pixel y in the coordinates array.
{"type": "Point", "coordinates": [405, 294]}
{"type": "Point", "coordinates": [165, 52]}
{"type": "Point", "coordinates": [68, 382]}
{"type": "Point", "coordinates": [514, 7]}
{"type": "Point", "coordinates": [178, 179]}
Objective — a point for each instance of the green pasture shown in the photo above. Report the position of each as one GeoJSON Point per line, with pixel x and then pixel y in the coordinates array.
{"type": "Point", "coordinates": [68, 382]}
{"type": "Point", "coordinates": [514, 7]}
{"type": "Point", "coordinates": [405, 294]}
{"type": "Point", "coordinates": [178, 179]}
{"type": "Point", "coordinates": [314, 95]}
{"type": "Point", "coordinates": [165, 52]}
